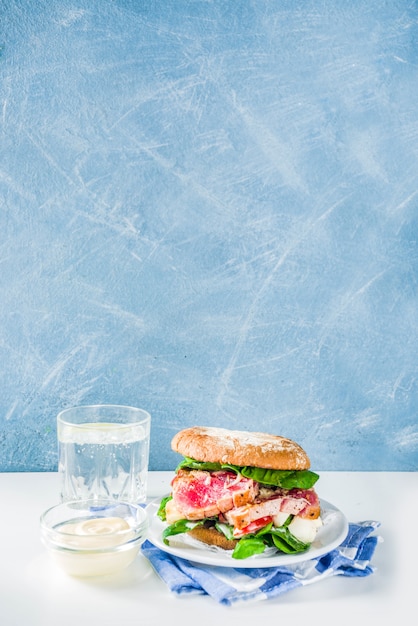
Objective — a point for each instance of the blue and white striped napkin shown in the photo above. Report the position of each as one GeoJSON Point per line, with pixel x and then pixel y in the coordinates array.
{"type": "Point", "coordinates": [232, 585]}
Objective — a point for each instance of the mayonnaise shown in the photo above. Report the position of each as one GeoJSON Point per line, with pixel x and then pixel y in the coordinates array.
{"type": "Point", "coordinates": [94, 533]}
{"type": "Point", "coordinates": [96, 539]}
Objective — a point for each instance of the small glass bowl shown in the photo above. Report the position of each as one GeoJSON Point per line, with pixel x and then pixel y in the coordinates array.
{"type": "Point", "coordinates": [93, 537]}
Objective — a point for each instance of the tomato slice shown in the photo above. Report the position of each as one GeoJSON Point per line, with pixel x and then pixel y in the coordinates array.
{"type": "Point", "coordinates": [254, 526]}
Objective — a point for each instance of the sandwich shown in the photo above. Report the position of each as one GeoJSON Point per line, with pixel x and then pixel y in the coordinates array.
{"type": "Point", "coordinates": [241, 491]}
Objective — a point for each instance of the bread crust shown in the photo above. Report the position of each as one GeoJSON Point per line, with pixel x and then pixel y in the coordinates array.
{"type": "Point", "coordinates": [254, 449]}
{"type": "Point", "coordinates": [212, 537]}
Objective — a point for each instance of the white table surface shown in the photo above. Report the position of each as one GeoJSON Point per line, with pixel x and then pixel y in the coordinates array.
{"type": "Point", "coordinates": [34, 592]}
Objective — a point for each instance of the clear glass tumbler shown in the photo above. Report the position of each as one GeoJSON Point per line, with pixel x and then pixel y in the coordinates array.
{"type": "Point", "coordinates": [103, 453]}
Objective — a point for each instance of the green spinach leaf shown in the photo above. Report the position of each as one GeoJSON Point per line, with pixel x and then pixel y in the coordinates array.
{"type": "Point", "coordinates": [179, 527]}
{"type": "Point", "coordinates": [287, 479]}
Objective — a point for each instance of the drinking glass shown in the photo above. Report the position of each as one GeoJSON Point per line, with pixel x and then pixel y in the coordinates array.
{"type": "Point", "coordinates": [103, 453]}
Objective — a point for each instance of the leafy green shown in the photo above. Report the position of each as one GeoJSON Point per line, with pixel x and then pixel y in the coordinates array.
{"type": "Point", "coordinates": [287, 479]}
{"type": "Point", "coordinates": [225, 529]}
{"type": "Point", "coordinates": [189, 463]}
{"type": "Point", "coordinates": [286, 542]}
{"type": "Point", "coordinates": [281, 538]}
{"type": "Point", "coordinates": [161, 510]}
{"type": "Point", "coordinates": [179, 527]}
{"type": "Point", "coordinates": [248, 546]}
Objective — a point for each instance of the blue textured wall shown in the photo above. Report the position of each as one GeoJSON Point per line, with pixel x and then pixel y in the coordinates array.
{"type": "Point", "coordinates": [210, 209]}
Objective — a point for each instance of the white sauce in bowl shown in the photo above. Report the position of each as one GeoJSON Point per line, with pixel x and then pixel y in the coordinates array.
{"type": "Point", "coordinates": [90, 547]}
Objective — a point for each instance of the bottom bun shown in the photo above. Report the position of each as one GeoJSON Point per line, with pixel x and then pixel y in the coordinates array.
{"type": "Point", "coordinates": [212, 537]}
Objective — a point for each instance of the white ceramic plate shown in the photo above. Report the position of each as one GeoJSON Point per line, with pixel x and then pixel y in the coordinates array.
{"type": "Point", "coordinates": [329, 536]}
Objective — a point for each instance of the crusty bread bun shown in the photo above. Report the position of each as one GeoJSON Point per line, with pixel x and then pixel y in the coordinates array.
{"type": "Point", "coordinates": [212, 537]}
{"type": "Point", "coordinates": [254, 449]}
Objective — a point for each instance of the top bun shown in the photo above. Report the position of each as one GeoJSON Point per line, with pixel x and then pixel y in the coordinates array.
{"type": "Point", "coordinates": [219, 445]}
